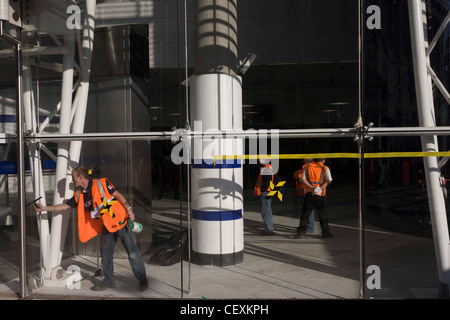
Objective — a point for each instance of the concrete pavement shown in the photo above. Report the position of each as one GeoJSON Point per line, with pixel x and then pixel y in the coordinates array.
{"type": "Point", "coordinates": [277, 267]}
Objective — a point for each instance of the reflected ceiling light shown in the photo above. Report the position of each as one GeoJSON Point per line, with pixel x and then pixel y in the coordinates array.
{"type": "Point", "coordinates": [339, 104]}
{"type": "Point", "coordinates": [154, 112]}
{"type": "Point", "coordinates": [248, 61]}
{"type": "Point", "coordinates": [328, 111]}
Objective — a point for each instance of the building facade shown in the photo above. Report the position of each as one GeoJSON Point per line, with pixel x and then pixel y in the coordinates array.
{"type": "Point", "coordinates": [317, 68]}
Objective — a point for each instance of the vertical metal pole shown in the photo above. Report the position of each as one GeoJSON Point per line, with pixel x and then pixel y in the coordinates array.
{"type": "Point", "coordinates": [21, 174]}
{"type": "Point", "coordinates": [425, 105]}
{"type": "Point", "coordinates": [20, 161]}
{"type": "Point", "coordinates": [31, 115]}
{"type": "Point", "coordinates": [188, 171]}
{"type": "Point", "coordinates": [362, 242]}
{"type": "Point", "coordinates": [362, 258]}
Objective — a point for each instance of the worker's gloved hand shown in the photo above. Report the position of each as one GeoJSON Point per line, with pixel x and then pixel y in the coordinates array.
{"type": "Point", "coordinates": [317, 190]}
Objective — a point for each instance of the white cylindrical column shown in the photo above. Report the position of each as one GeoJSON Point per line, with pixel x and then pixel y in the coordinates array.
{"type": "Point", "coordinates": [62, 218]}
{"type": "Point", "coordinates": [217, 192]}
{"type": "Point", "coordinates": [425, 105]}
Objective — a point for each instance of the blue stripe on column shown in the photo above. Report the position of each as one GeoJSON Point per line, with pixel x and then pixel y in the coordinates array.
{"type": "Point", "coordinates": [217, 215]}
{"type": "Point", "coordinates": [218, 164]}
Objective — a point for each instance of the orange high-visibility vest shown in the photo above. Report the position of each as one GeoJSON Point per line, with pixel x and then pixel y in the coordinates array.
{"type": "Point", "coordinates": [300, 188]}
{"type": "Point", "coordinates": [315, 174]}
{"type": "Point", "coordinates": [111, 213]}
{"type": "Point", "coordinates": [258, 185]}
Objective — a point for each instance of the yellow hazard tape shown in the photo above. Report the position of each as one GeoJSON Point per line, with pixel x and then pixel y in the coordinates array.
{"type": "Point", "coordinates": [405, 154]}
{"type": "Point", "coordinates": [371, 155]}
{"type": "Point", "coordinates": [288, 156]}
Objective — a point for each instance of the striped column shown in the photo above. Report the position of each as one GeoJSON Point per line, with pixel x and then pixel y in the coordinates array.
{"type": "Point", "coordinates": [216, 186]}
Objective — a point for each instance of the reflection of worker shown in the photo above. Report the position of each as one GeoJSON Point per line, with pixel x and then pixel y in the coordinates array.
{"type": "Point", "coordinates": [300, 190]}
{"type": "Point", "coordinates": [262, 188]}
{"type": "Point", "coordinates": [405, 172]}
{"type": "Point", "coordinates": [316, 177]}
{"type": "Point", "coordinates": [98, 214]}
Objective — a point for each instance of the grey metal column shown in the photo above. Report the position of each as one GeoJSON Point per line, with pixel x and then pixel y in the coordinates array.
{"type": "Point", "coordinates": [425, 105]}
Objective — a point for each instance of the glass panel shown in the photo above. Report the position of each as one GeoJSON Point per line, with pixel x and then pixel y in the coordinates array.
{"type": "Point", "coordinates": [399, 235]}
{"type": "Point", "coordinates": [128, 167]}
{"type": "Point", "coordinates": [305, 76]}
{"type": "Point", "coordinates": [311, 266]}
{"type": "Point", "coordinates": [9, 230]}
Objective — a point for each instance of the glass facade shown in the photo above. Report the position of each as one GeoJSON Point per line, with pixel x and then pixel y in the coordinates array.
{"type": "Point", "coordinates": [310, 76]}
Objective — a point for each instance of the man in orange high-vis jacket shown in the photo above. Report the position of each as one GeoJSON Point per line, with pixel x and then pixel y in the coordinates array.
{"type": "Point", "coordinates": [262, 188]}
{"type": "Point", "coordinates": [88, 198]}
{"type": "Point", "coordinates": [300, 190]}
{"type": "Point", "coordinates": [316, 177]}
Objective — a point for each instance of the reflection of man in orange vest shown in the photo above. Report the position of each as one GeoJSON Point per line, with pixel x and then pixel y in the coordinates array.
{"type": "Point", "coordinates": [262, 188]}
{"type": "Point", "coordinates": [101, 208]}
{"type": "Point", "coordinates": [316, 177]}
{"type": "Point", "coordinates": [300, 190]}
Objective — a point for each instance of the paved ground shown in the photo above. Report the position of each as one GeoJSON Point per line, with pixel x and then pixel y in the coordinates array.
{"type": "Point", "coordinates": [278, 267]}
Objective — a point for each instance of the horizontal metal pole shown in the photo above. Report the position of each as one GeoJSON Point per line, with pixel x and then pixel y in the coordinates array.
{"type": "Point", "coordinates": [334, 155]}
{"type": "Point", "coordinates": [409, 131]}
{"type": "Point", "coordinates": [282, 133]}
{"type": "Point", "coordinates": [35, 51]}
{"type": "Point", "coordinates": [109, 136]}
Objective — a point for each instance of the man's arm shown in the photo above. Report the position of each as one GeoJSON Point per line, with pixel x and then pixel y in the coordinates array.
{"type": "Point", "coordinates": [325, 184]}
{"type": "Point", "coordinates": [58, 207]}
{"type": "Point", "coordinates": [328, 179]}
{"type": "Point", "coordinates": [306, 182]}
{"type": "Point", "coordinates": [125, 204]}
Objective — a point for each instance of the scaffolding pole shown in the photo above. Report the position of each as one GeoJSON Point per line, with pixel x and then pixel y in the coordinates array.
{"type": "Point", "coordinates": [425, 105]}
{"type": "Point", "coordinates": [282, 133]}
